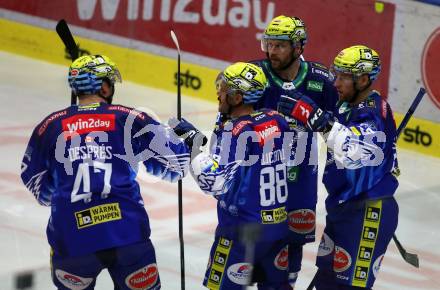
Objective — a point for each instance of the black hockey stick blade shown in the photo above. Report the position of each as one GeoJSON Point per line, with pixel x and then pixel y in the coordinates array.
{"type": "Point", "coordinates": [410, 258]}
{"type": "Point", "coordinates": [313, 282]}
{"type": "Point", "coordinates": [66, 36]}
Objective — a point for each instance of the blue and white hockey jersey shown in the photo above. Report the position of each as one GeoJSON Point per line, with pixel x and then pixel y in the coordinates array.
{"type": "Point", "coordinates": [246, 172]}
{"type": "Point", "coordinates": [314, 81]}
{"type": "Point", "coordinates": [361, 158]}
{"type": "Point", "coordinates": [83, 160]}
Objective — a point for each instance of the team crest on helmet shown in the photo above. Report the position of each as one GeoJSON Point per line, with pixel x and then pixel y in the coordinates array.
{"type": "Point", "coordinates": [246, 78]}
{"type": "Point", "coordinates": [358, 60]}
{"type": "Point", "coordinates": [87, 73]}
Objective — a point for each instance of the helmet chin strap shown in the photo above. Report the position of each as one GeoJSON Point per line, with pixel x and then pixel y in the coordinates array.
{"type": "Point", "coordinates": [108, 99]}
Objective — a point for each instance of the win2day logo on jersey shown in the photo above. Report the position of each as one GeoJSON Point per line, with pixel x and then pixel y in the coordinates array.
{"type": "Point", "coordinates": [266, 131]}
{"type": "Point", "coordinates": [86, 123]}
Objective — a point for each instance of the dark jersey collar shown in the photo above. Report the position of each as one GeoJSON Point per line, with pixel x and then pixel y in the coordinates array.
{"type": "Point", "coordinates": [302, 72]}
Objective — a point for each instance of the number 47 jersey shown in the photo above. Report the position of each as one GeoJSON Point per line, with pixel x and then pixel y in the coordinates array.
{"type": "Point", "coordinates": [83, 160]}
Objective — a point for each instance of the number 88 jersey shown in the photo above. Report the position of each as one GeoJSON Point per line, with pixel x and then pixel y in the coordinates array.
{"type": "Point", "coordinates": [246, 172]}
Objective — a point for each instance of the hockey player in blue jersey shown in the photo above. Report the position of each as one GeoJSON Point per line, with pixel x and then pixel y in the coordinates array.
{"type": "Point", "coordinates": [82, 161]}
{"type": "Point", "coordinates": [246, 172]}
{"type": "Point", "coordinates": [283, 41]}
{"type": "Point", "coordinates": [360, 173]}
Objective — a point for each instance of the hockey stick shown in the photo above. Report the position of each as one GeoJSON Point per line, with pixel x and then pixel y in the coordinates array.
{"type": "Point", "coordinates": [410, 258]}
{"type": "Point", "coordinates": [411, 111]}
{"type": "Point", "coordinates": [66, 36]}
{"type": "Point", "coordinates": [179, 184]}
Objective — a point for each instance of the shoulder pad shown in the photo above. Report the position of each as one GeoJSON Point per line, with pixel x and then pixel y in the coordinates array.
{"type": "Point", "coordinates": [371, 103]}
{"type": "Point", "coordinates": [374, 103]}
{"type": "Point", "coordinates": [127, 110]}
{"type": "Point", "coordinates": [272, 113]}
{"type": "Point", "coordinates": [382, 105]}
{"type": "Point", "coordinates": [363, 112]}
{"type": "Point", "coordinates": [384, 108]}
{"type": "Point", "coordinates": [45, 123]}
{"type": "Point", "coordinates": [318, 65]}
{"type": "Point", "coordinates": [366, 106]}
{"type": "Point", "coordinates": [239, 126]}
{"type": "Point", "coordinates": [320, 70]}
{"type": "Point", "coordinates": [258, 62]}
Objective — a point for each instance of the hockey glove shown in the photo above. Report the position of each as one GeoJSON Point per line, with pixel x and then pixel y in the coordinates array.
{"type": "Point", "coordinates": [191, 135]}
{"type": "Point", "coordinates": [305, 110]}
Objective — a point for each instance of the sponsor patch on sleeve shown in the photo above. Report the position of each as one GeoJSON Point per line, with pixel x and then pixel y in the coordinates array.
{"type": "Point", "coordinates": [240, 125]}
{"type": "Point", "coordinates": [138, 114]}
{"type": "Point", "coordinates": [371, 103]}
{"type": "Point", "coordinates": [384, 109]}
{"type": "Point", "coordinates": [321, 72]}
{"type": "Point", "coordinates": [48, 120]}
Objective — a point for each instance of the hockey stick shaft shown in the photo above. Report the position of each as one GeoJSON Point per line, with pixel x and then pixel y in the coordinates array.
{"type": "Point", "coordinates": [410, 258]}
{"type": "Point", "coordinates": [179, 184]}
{"type": "Point", "coordinates": [66, 36]}
{"type": "Point", "coordinates": [411, 111]}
